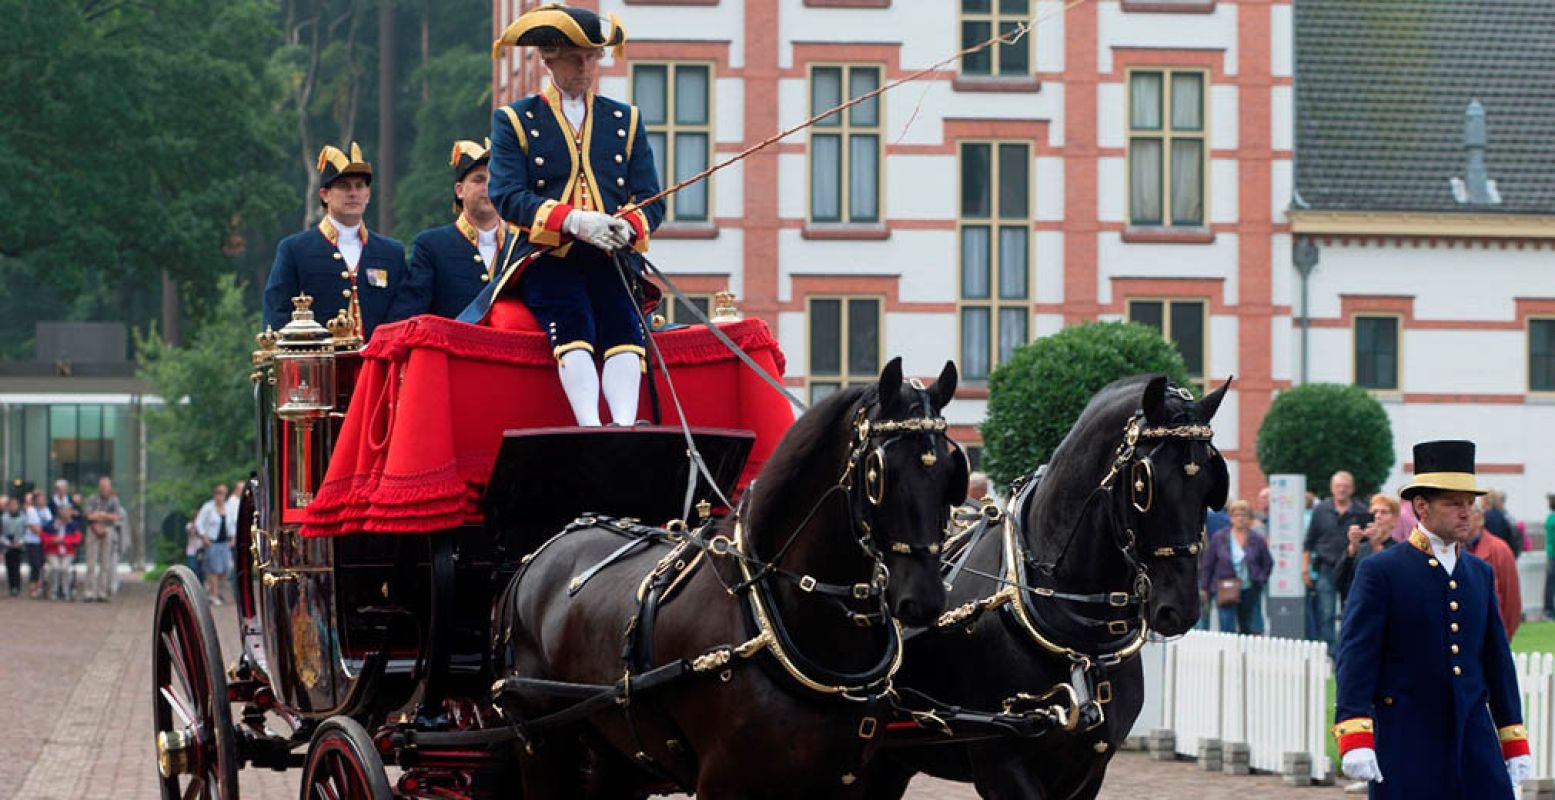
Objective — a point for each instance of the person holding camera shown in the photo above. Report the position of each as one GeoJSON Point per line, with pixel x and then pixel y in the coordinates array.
{"type": "Point", "coordinates": [1325, 546]}
{"type": "Point", "coordinates": [1367, 540]}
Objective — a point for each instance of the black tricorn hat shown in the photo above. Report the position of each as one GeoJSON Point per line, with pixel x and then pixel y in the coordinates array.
{"type": "Point", "coordinates": [556, 25]}
{"type": "Point", "coordinates": [468, 155]}
{"type": "Point", "coordinates": [334, 164]}
{"type": "Point", "coordinates": [1445, 465]}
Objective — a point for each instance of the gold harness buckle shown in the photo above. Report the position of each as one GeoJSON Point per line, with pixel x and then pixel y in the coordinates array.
{"type": "Point", "coordinates": [807, 583]}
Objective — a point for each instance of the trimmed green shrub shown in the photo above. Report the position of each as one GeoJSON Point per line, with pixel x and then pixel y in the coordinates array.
{"type": "Point", "coordinates": [1320, 428]}
{"type": "Point", "coordinates": [1036, 395]}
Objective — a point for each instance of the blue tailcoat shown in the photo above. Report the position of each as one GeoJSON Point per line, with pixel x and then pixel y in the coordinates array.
{"type": "Point", "coordinates": [446, 272]}
{"type": "Point", "coordinates": [1424, 658]}
{"type": "Point", "coordinates": [537, 168]}
{"type": "Point", "coordinates": [310, 262]}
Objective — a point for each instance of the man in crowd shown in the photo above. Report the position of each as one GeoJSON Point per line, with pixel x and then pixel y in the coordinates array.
{"type": "Point", "coordinates": [1496, 553]}
{"type": "Point", "coordinates": [105, 518]}
{"type": "Point", "coordinates": [217, 523]}
{"type": "Point", "coordinates": [569, 167]}
{"type": "Point", "coordinates": [39, 519]}
{"type": "Point", "coordinates": [1498, 522]}
{"type": "Point", "coordinates": [61, 496]}
{"type": "Point", "coordinates": [1549, 559]}
{"type": "Point", "coordinates": [451, 264]}
{"type": "Point", "coordinates": [1427, 702]}
{"type": "Point", "coordinates": [337, 264]}
{"type": "Point", "coordinates": [1324, 547]}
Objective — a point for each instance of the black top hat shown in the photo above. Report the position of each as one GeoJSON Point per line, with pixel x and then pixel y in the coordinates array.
{"type": "Point", "coordinates": [334, 164]}
{"type": "Point", "coordinates": [556, 25]}
{"type": "Point", "coordinates": [1446, 465]}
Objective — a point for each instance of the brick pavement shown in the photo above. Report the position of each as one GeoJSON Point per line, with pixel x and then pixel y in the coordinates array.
{"type": "Point", "coordinates": [75, 685]}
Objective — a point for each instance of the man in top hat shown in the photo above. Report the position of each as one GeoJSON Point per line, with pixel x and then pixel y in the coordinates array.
{"type": "Point", "coordinates": [569, 167]}
{"type": "Point", "coordinates": [451, 264]}
{"type": "Point", "coordinates": [1427, 703]}
{"type": "Point", "coordinates": [337, 263]}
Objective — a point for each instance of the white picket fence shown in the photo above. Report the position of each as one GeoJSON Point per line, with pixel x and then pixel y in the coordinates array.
{"type": "Point", "coordinates": [1536, 679]}
{"type": "Point", "coordinates": [1269, 693]}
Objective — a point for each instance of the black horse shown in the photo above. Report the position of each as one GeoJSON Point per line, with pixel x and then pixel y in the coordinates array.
{"type": "Point", "coordinates": [777, 625]}
{"type": "Point", "coordinates": [1047, 614]}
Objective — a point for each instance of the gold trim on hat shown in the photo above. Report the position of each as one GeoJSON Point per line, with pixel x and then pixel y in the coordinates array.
{"type": "Point", "coordinates": [553, 16]}
{"type": "Point", "coordinates": [1446, 481]}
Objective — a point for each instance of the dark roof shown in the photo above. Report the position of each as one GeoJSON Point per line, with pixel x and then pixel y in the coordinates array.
{"type": "Point", "coordinates": [1381, 89]}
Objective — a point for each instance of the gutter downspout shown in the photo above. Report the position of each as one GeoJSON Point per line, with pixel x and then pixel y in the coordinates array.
{"type": "Point", "coordinates": [1305, 257]}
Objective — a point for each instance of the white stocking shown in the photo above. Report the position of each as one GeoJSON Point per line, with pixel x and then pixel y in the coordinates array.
{"type": "Point", "coordinates": [581, 383]}
{"type": "Point", "coordinates": [622, 377]}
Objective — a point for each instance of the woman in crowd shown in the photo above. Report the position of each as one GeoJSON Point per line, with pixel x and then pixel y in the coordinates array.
{"type": "Point", "coordinates": [61, 538]}
{"type": "Point", "coordinates": [1374, 538]}
{"type": "Point", "coordinates": [1236, 570]}
{"type": "Point", "coordinates": [13, 527]}
{"type": "Point", "coordinates": [36, 508]}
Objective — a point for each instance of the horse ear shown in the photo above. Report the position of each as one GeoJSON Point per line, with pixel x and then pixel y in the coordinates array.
{"type": "Point", "coordinates": [891, 382]}
{"type": "Point", "coordinates": [1155, 400]}
{"type": "Point", "coordinates": [1211, 402]}
{"type": "Point", "coordinates": [944, 389]}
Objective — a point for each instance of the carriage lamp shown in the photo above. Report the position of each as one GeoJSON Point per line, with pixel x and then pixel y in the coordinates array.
{"type": "Point", "coordinates": [304, 367]}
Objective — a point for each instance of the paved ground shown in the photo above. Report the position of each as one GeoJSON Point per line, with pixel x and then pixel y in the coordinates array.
{"type": "Point", "coordinates": [75, 685]}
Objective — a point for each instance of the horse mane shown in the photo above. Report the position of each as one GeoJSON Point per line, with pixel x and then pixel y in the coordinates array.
{"type": "Point", "coordinates": [804, 446]}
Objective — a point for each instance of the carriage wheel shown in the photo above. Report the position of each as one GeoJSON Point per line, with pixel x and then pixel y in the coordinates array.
{"type": "Point", "coordinates": [196, 743]}
{"type": "Point", "coordinates": [343, 764]}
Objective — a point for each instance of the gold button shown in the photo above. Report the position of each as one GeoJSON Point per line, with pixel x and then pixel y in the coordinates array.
{"type": "Point", "coordinates": [619, 158]}
{"type": "Point", "coordinates": [1432, 562]}
{"type": "Point", "coordinates": [1457, 670]}
{"type": "Point", "coordinates": [345, 292]}
{"type": "Point", "coordinates": [529, 114]}
{"type": "Point", "coordinates": [618, 113]}
{"type": "Point", "coordinates": [620, 181]}
{"type": "Point", "coordinates": [1452, 584]}
{"type": "Point", "coordinates": [1452, 606]}
{"type": "Point", "coordinates": [1454, 649]}
{"type": "Point", "coordinates": [345, 274]}
{"type": "Point", "coordinates": [1387, 701]}
{"type": "Point", "coordinates": [477, 258]}
{"type": "Point", "coordinates": [336, 255]}
{"type": "Point", "coordinates": [540, 184]}
{"type": "Point", "coordinates": [485, 277]}
{"type": "Point", "coordinates": [1455, 627]}
{"type": "Point", "coordinates": [534, 134]}
{"type": "Point", "coordinates": [539, 161]}
{"type": "Point", "coordinates": [621, 132]}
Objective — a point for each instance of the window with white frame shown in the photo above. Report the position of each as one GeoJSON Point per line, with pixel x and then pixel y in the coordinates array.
{"type": "Point", "coordinates": [1167, 153]}
{"type": "Point", "coordinates": [676, 311]}
{"type": "Point", "coordinates": [1184, 323]}
{"type": "Point", "coordinates": [844, 343]}
{"type": "Point", "coordinates": [982, 20]}
{"type": "Point", "coordinates": [675, 101]}
{"type": "Point", "coordinates": [845, 147]}
{"type": "Point", "coordinates": [994, 227]}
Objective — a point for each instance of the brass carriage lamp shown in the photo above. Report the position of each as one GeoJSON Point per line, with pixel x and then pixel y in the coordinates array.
{"type": "Point", "coordinates": [304, 367]}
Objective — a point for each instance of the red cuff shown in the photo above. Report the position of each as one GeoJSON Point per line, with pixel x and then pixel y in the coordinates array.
{"type": "Point", "coordinates": [1354, 733]}
{"type": "Point", "coordinates": [558, 215]}
{"type": "Point", "coordinates": [1514, 740]}
{"type": "Point", "coordinates": [1514, 748]}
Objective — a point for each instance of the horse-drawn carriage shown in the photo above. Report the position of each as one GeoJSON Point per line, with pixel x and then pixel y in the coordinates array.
{"type": "Point", "coordinates": [437, 575]}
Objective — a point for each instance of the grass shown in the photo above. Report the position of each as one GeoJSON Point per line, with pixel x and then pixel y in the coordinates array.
{"type": "Point", "coordinates": [1532, 637]}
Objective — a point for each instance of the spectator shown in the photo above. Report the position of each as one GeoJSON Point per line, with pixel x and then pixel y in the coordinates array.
{"type": "Point", "coordinates": [1324, 547]}
{"type": "Point", "coordinates": [61, 497]}
{"type": "Point", "coordinates": [977, 488]}
{"type": "Point", "coordinates": [37, 517]}
{"type": "Point", "coordinates": [217, 523]}
{"type": "Point", "coordinates": [1549, 559]}
{"type": "Point", "coordinates": [1493, 503]}
{"type": "Point", "coordinates": [13, 526]}
{"type": "Point", "coordinates": [1509, 590]}
{"type": "Point", "coordinates": [1261, 512]}
{"type": "Point", "coordinates": [1372, 539]}
{"type": "Point", "coordinates": [194, 550]}
{"type": "Point", "coordinates": [61, 537]}
{"type": "Point", "coordinates": [1406, 522]}
{"type": "Point", "coordinates": [1237, 556]}
{"type": "Point", "coordinates": [105, 514]}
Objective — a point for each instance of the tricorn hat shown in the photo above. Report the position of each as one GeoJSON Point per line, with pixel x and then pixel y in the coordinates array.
{"type": "Point", "coordinates": [556, 25]}
{"type": "Point", "coordinates": [468, 155]}
{"type": "Point", "coordinates": [1446, 465]}
{"type": "Point", "coordinates": [334, 164]}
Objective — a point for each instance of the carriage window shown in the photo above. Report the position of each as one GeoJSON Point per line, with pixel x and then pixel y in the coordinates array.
{"type": "Point", "coordinates": [677, 312]}
{"type": "Point", "coordinates": [845, 147]}
{"type": "Point", "coordinates": [1183, 323]}
{"type": "Point", "coordinates": [844, 343]}
{"type": "Point", "coordinates": [995, 233]}
{"type": "Point", "coordinates": [675, 101]}
{"type": "Point", "coordinates": [1166, 149]}
{"type": "Point", "coordinates": [1376, 352]}
{"type": "Point", "coordinates": [979, 19]}
{"type": "Point", "coordinates": [1541, 355]}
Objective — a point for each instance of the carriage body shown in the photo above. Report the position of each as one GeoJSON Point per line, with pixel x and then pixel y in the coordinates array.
{"type": "Point", "coordinates": [361, 624]}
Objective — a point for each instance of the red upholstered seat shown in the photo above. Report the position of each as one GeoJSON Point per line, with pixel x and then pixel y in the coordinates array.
{"type": "Point", "coordinates": [509, 313]}
{"type": "Point", "coordinates": [434, 397]}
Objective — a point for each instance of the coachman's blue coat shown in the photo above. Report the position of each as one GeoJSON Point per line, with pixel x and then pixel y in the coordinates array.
{"type": "Point", "coordinates": [446, 270]}
{"type": "Point", "coordinates": [1425, 677]}
{"type": "Point", "coordinates": [310, 262]}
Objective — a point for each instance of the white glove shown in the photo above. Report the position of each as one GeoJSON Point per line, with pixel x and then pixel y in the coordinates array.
{"type": "Point", "coordinates": [600, 230]}
{"type": "Point", "coordinates": [1360, 764]}
{"type": "Point", "coordinates": [1520, 768]}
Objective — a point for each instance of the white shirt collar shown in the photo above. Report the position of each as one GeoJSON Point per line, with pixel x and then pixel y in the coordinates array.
{"type": "Point", "coordinates": [1446, 552]}
{"type": "Point", "coordinates": [351, 231]}
{"type": "Point", "coordinates": [487, 235]}
{"type": "Point", "coordinates": [573, 109]}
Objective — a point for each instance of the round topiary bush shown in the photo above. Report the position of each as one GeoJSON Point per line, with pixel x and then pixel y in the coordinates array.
{"type": "Point", "coordinates": [1036, 395]}
{"type": "Point", "coordinates": [1320, 428]}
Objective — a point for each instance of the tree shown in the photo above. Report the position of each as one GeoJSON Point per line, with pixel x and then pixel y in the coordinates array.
{"type": "Point", "coordinates": [204, 430]}
{"type": "Point", "coordinates": [1320, 428]}
{"type": "Point", "coordinates": [1037, 394]}
{"type": "Point", "coordinates": [459, 110]}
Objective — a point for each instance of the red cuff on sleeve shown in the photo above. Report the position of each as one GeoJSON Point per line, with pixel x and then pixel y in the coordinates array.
{"type": "Point", "coordinates": [1354, 733]}
{"type": "Point", "coordinates": [554, 220]}
{"type": "Point", "coordinates": [1514, 747]}
{"type": "Point", "coordinates": [635, 219]}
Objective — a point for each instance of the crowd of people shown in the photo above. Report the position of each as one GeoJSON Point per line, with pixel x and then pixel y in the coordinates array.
{"type": "Point", "coordinates": [70, 545]}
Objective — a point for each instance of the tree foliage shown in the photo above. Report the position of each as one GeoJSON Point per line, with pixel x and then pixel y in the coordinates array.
{"type": "Point", "coordinates": [204, 431]}
{"type": "Point", "coordinates": [1036, 395]}
{"type": "Point", "coordinates": [461, 109]}
{"type": "Point", "coordinates": [1320, 428]}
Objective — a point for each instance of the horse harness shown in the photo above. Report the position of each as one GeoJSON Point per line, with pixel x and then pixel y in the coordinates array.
{"type": "Point", "coordinates": [863, 482]}
{"type": "Point", "coordinates": [1122, 625]}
